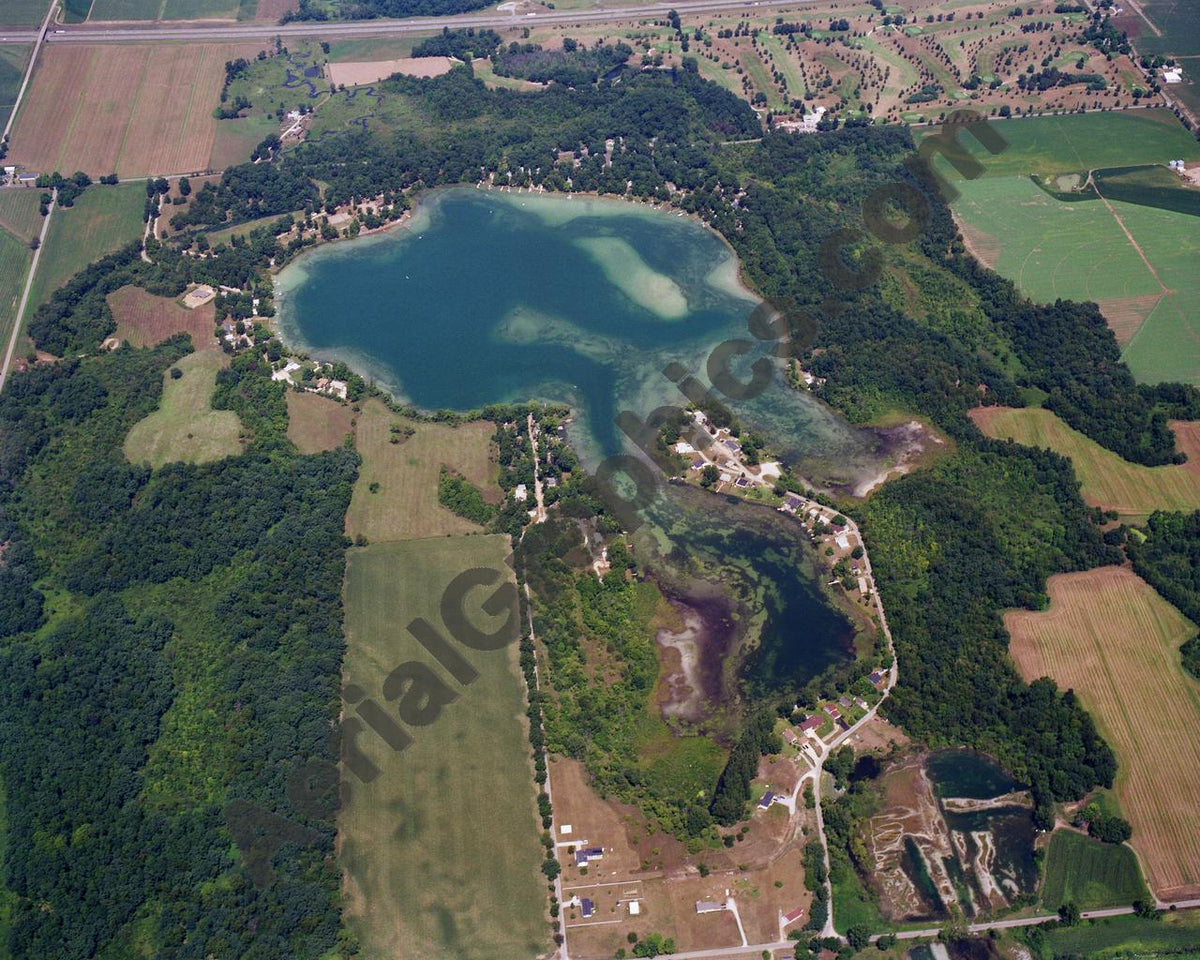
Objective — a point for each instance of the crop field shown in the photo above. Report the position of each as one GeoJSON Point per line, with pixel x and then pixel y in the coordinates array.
{"type": "Point", "coordinates": [440, 849]}
{"type": "Point", "coordinates": [1045, 146]}
{"type": "Point", "coordinates": [167, 9]}
{"type": "Point", "coordinates": [12, 69]}
{"type": "Point", "coordinates": [403, 504]}
{"type": "Point", "coordinates": [144, 319]}
{"type": "Point", "coordinates": [185, 427]}
{"type": "Point", "coordinates": [1089, 873]}
{"type": "Point", "coordinates": [102, 220]}
{"type": "Point", "coordinates": [1176, 935]}
{"type": "Point", "coordinates": [17, 13]}
{"type": "Point", "coordinates": [1168, 27]}
{"type": "Point", "coordinates": [1107, 481]}
{"type": "Point", "coordinates": [317, 423]}
{"type": "Point", "coordinates": [1114, 641]}
{"type": "Point", "coordinates": [19, 213]}
{"type": "Point", "coordinates": [131, 109]}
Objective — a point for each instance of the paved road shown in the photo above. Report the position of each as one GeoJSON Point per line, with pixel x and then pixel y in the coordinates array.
{"type": "Point", "coordinates": [16, 330]}
{"type": "Point", "coordinates": [126, 32]}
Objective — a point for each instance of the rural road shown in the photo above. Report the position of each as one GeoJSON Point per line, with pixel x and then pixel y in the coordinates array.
{"type": "Point", "coordinates": [16, 330]}
{"type": "Point", "coordinates": [157, 31]}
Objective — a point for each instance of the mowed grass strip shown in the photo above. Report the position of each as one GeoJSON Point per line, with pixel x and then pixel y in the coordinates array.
{"type": "Point", "coordinates": [396, 496]}
{"type": "Point", "coordinates": [1106, 480]}
{"type": "Point", "coordinates": [317, 423]}
{"type": "Point", "coordinates": [185, 426]}
{"type": "Point", "coordinates": [1089, 873]}
{"type": "Point", "coordinates": [1109, 637]}
{"type": "Point", "coordinates": [102, 220]}
{"type": "Point", "coordinates": [440, 852]}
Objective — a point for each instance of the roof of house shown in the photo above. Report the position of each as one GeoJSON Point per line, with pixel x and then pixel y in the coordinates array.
{"type": "Point", "coordinates": [811, 723]}
{"type": "Point", "coordinates": [768, 798]}
{"type": "Point", "coordinates": [791, 502]}
{"type": "Point", "coordinates": [707, 906]}
{"type": "Point", "coordinates": [587, 907]}
{"type": "Point", "coordinates": [794, 915]}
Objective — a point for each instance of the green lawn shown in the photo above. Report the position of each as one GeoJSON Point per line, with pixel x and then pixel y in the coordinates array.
{"type": "Point", "coordinates": [1090, 874]}
{"type": "Point", "coordinates": [440, 851]}
{"type": "Point", "coordinates": [12, 70]}
{"type": "Point", "coordinates": [1050, 145]}
{"type": "Point", "coordinates": [185, 427]}
{"type": "Point", "coordinates": [102, 220]}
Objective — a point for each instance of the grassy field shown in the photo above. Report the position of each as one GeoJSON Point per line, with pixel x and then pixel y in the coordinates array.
{"type": "Point", "coordinates": [102, 220]}
{"type": "Point", "coordinates": [317, 423]}
{"type": "Point", "coordinates": [19, 213]}
{"type": "Point", "coordinates": [1108, 636]}
{"type": "Point", "coordinates": [1090, 874]}
{"type": "Point", "coordinates": [440, 851]}
{"type": "Point", "coordinates": [144, 319]}
{"type": "Point", "coordinates": [1176, 935]}
{"type": "Point", "coordinates": [185, 427]}
{"type": "Point", "coordinates": [404, 504]}
{"type": "Point", "coordinates": [14, 264]}
{"type": "Point", "coordinates": [23, 12]}
{"type": "Point", "coordinates": [1051, 145]}
{"type": "Point", "coordinates": [12, 68]}
{"type": "Point", "coordinates": [1106, 480]}
{"type": "Point", "coordinates": [164, 10]}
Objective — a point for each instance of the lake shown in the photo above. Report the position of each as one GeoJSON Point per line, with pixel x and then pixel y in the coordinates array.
{"type": "Point", "coordinates": [485, 297]}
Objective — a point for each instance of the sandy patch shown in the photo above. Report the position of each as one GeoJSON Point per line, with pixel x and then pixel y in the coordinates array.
{"type": "Point", "coordinates": [645, 286]}
{"type": "Point", "coordinates": [372, 71]}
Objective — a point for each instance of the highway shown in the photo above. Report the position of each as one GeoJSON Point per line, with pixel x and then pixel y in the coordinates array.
{"type": "Point", "coordinates": [157, 32]}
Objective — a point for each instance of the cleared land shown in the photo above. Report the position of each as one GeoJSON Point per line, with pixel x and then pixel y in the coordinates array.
{"type": "Point", "coordinates": [144, 319]}
{"type": "Point", "coordinates": [1106, 480]}
{"type": "Point", "coordinates": [372, 71]}
{"type": "Point", "coordinates": [185, 427]}
{"type": "Point", "coordinates": [440, 851]}
{"type": "Point", "coordinates": [317, 423]}
{"type": "Point", "coordinates": [101, 221]}
{"type": "Point", "coordinates": [134, 110]}
{"type": "Point", "coordinates": [404, 505]}
{"type": "Point", "coordinates": [1108, 636]}
{"type": "Point", "coordinates": [1089, 873]}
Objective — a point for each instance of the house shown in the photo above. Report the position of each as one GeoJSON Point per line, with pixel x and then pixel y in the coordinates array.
{"type": "Point", "coordinates": [791, 504]}
{"type": "Point", "coordinates": [789, 736]}
{"type": "Point", "coordinates": [741, 482]}
{"type": "Point", "coordinates": [552, 482]}
{"type": "Point", "coordinates": [733, 447]}
{"type": "Point", "coordinates": [793, 916]}
{"type": "Point", "coordinates": [768, 798]}
{"type": "Point", "coordinates": [833, 711]}
{"type": "Point", "coordinates": [844, 702]}
{"type": "Point", "coordinates": [698, 463]}
{"type": "Point", "coordinates": [520, 493]}
{"type": "Point", "coordinates": [634, 908]}
{"type": "Point", "coordinates": [726, 477]}
{"type": "Point", "coordinates": [586, 907]}
{"type": "Point", "coordinates": [811, 723]}
{"type": "Point", "coordinates": [1172, 75]}
{"type": "Point", "coordinates": [876, 677]}
{"type": "Point", "coordinates": [683, 447]}
{"type": "Point", "coordinates": [842, 541]}
{"type": "Point", "coordinates": [708, 906]}
{"type": "Point", "coordinates": [587, 855]}
{"type": "Point", "coordinates": [861, 703]}
{"type": "Point", "coordinates": [862, 585]}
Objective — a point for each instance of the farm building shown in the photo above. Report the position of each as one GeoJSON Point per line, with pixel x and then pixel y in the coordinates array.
{"type": "Point", "coordinates": [708, 906]}
{"type": "Point", "coordinates": [1173, 75]}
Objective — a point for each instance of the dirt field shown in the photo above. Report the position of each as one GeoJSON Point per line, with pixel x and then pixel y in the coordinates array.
{"type": "Point", "coordinates": [440, 849]}
{"type": "Point", "coordinates": [1107, 481]}
{"type": "Point", "coordinates": [1108, 636]}
{"type": "Point", "coordinates": [372, 71]}
{"type": "Point", "coordinates": [144, 319]}
{"type": "Point", "coordinates": [404, 505]}
{"type": "Point", "coordinates": [1125, 315]}
{"type": "Point", "coordinates": [317, 423]}
{"type": "Point", "coordinates": [133, 110]}
{"type": "Point", "coordinates": [185, 427]}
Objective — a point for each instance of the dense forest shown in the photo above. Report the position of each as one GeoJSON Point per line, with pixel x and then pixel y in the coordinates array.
{"type": "Point", "coordinates": [175, 636]}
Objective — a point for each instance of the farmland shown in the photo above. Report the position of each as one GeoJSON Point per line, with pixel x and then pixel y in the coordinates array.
{"type": "Point", "coordinates": [1107, 481]}
{"type": "Point", "coordinates": [185, 427]}
{"type": "Point", "coordinates": [12, 69]}
{"type": "Point", "coordinates": [14, 263]}
{"type": "Point", "coordinates": [23, 12]}
{"type": "Point", "coordinates": [1176, 935]}
{"type": "Point", "coordinates": [19, 213]}
{"type": "Point", "coordinates": [170, 9]}
{"type": "Point", "coordinates": [135, 110]}
{"type": "Point", "coordinates": [144, 319]}
{"type": "Point", "coordinates": [102, 220]}
{"type": "Point", "coordinates": [440, 851]}
{"type": "Point", "coordinates": [396, 494]}
{"type": "Point", "coordinates": [1108, 636]}
{"type": "Point", "coordinates": [317, 423]}
{"type": "Point", "coordinates": [1089, 873]}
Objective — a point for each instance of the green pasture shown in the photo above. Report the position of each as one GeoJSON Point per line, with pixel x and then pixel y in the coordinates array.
{"type": "Point", "coordinates": [14, 264]}
{"type": "Point", "coordinates": [1090, 874]}
{"type": "Point", "coordinates": [1080, 141]}
{"type": "Point", "coordinates": [440, 851]}
{"type": "Point", "coordinates": [1126, 936]}
{"type": "Point", "coordinates": [19, 213]}
{"type": "Point", "coordinates": [16, 13]}
{"type": "Point", "coordinates": [12, 70]}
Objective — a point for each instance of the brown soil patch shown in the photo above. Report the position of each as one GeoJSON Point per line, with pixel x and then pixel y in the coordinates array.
{"type": "Point", "coordinates": [1125, 315]}
{"type": "Point", "coordinates": [372, 71]}
{"type": "Point", "coordinates": [272, 11]}
{"type": "Point", "coordinates": [982, 246]}
{"type": "Point", "coordinates": [317, 423]}
{"type": "Point", "coordinates": [130, 109]}
{"type": "Point", "coordinates": [144, 319]}
{"type": "Point", "coordinates": [1187, 439]}
{"type": "Point", "coordinates": [1108, 636]}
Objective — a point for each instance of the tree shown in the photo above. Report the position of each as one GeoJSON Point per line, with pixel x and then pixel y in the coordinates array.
{"type": "Point", "coordinates": [1068, 914]}
{"type": "Point", "coordinates": [859, 936]}
{"type": "Point", "coordinates": [709, 476]}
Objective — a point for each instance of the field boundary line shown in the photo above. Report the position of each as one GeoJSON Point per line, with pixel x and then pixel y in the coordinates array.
{"type": "Point", "coordinates": [37, 46]}
{"type": "Point", "coordinates": [33, 265]}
